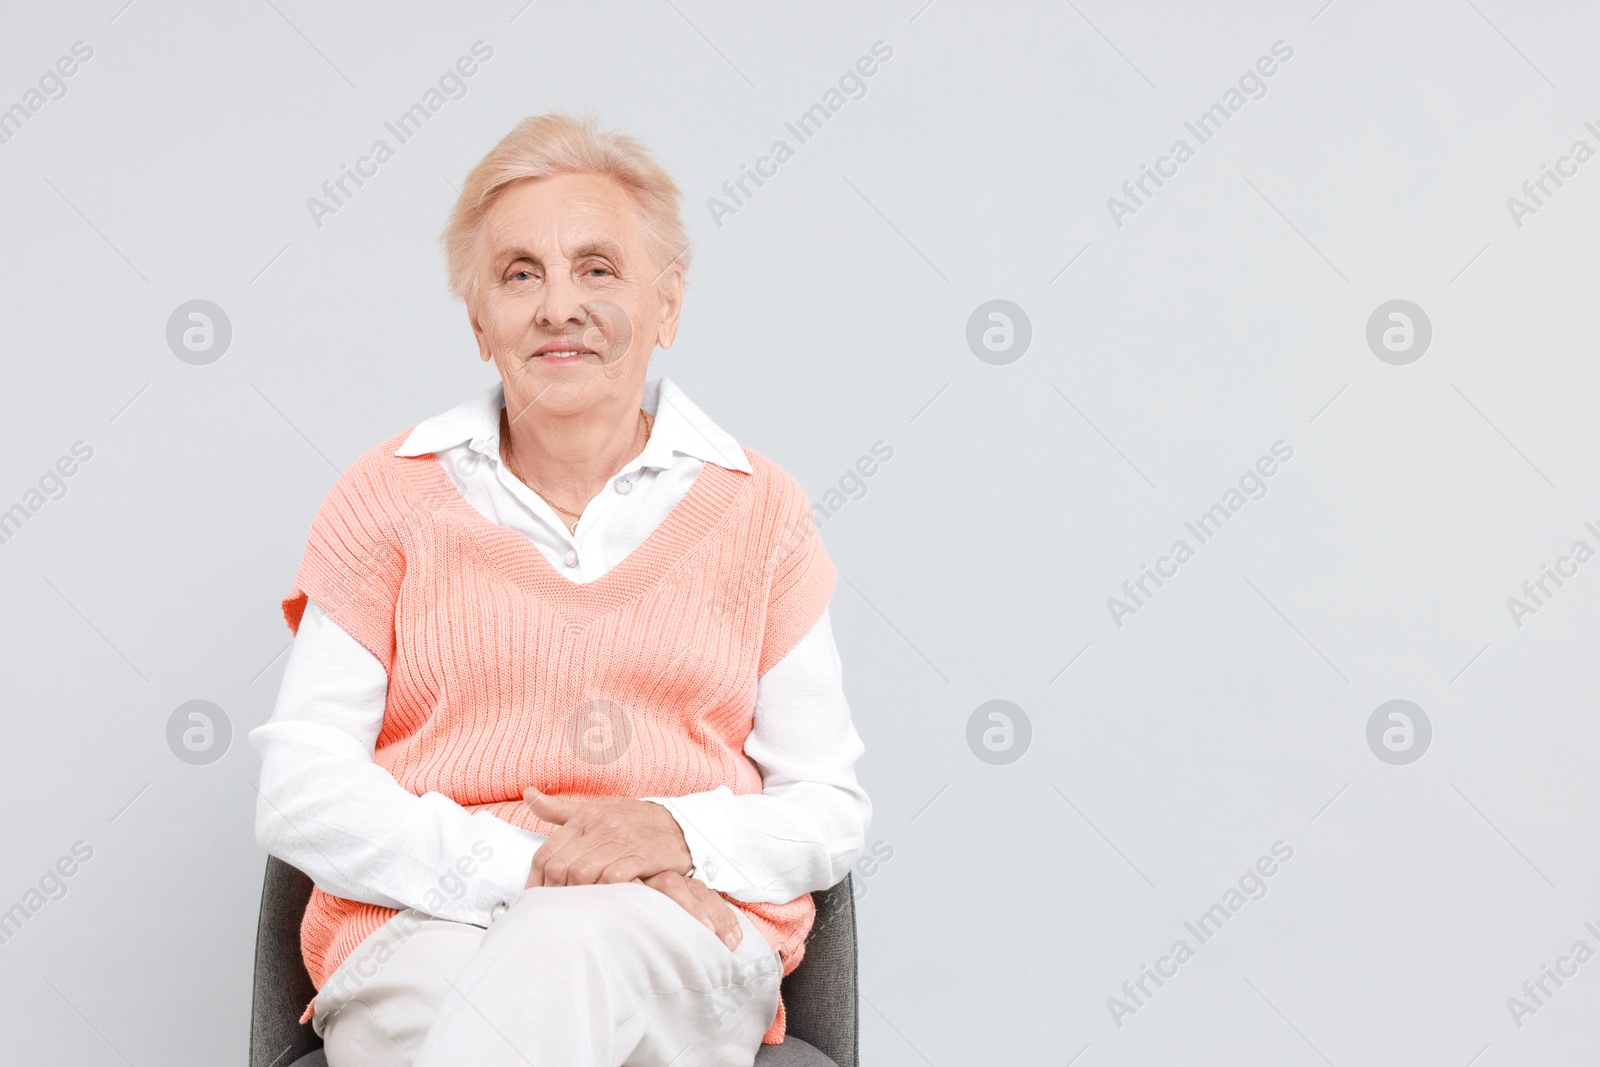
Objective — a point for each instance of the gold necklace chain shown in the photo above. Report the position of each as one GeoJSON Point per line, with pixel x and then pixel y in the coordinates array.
{"type": "Point", "coordinates": [505, 456]}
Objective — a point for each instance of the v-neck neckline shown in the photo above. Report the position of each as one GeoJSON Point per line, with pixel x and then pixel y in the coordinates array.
{"type": "Point", "coordinates": [516, 556]}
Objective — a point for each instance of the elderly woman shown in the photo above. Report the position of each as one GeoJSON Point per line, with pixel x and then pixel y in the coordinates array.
{"type": "Point", "coordinates": [561, 739]}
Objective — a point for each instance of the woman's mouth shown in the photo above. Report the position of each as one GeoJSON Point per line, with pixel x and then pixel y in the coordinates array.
{"type": "Point", "coordinates": [562, 354]}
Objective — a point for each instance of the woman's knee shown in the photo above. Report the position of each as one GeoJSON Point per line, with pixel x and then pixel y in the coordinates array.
{"type": "Point", "coordinates": [355, 1037]}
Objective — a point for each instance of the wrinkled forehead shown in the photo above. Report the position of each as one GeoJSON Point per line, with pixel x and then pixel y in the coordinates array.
{"type": "Point", "coordinates": [563, 216]}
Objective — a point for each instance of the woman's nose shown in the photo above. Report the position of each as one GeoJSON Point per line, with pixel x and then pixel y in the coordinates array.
{"type": "Point", "coordinates": [561, 307]}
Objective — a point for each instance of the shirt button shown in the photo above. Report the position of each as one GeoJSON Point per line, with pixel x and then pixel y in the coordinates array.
{"type": "Point", "coordinates": [624, 485]}
{"type": "Point", "coordinates": [496, 911]}
{"type": "Point", "coordinates": [572, 557]}
{"type": "Point", "coordinates": [711, 869]}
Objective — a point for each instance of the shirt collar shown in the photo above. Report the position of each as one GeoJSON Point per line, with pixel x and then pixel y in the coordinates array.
{"type": "Point", "coordinates": [680, 427]}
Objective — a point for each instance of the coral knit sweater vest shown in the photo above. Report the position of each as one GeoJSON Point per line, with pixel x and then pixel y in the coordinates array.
{"type": "Point", "coordinates": [504, 674]}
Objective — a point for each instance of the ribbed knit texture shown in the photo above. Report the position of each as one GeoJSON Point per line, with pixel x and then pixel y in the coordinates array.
{"type": "Point", "coordinates": [501, 671]}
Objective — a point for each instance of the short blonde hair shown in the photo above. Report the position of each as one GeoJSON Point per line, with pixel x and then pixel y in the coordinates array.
{"type": "Point", "coordinates": [543, 146]}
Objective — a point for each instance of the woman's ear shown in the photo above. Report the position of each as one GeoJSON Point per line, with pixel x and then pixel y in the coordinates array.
{"type": "Point", "coordinates": [477, 331]}
{"type": "Point", "coordinates": [671, 308]}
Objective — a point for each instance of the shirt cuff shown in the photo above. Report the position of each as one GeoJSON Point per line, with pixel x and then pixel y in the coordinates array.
{"type": "Point", "coordinates": [491, 877]}
{"type": "Point", "coordinates": [701, 823]}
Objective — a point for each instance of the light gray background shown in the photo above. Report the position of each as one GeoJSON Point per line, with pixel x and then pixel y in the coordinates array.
{"type": "Point", "coordinates": [828, 313]}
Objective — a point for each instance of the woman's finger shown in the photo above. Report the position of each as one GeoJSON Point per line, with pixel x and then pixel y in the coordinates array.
{"type": "Point", "coordinates": [675, 886]}
{"type": "Point", "coordinates": [551, 858]}
{"type": "Point", "coordinates": [588, 858]}
{"type": "Point", "coordinates": [727, 923]}
{"type": "Point", "coordinates": [714, 913]}
{"type": "Point", "coordinates": [627, 867]}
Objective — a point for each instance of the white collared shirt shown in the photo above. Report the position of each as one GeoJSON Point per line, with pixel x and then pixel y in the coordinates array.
{"type": "Point", "coordinates": [467, 441]}
{"type": "Point", "coordinates": [328, 809]}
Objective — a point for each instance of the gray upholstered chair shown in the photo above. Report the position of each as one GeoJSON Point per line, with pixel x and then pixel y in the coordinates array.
{"type": "Point", "coordinates": [820, 994]}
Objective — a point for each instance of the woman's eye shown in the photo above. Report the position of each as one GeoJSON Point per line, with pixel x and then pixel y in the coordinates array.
{"type": "Point", "coordinates": [522, 276]}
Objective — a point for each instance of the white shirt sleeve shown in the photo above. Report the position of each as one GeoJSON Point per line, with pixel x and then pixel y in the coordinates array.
{"type": "Point", "coordinates": [325, 807]}
{"type": "Point", "coordinates": [808, 824]}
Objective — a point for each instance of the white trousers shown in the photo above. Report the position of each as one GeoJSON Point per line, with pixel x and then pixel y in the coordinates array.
{"type": "Point", "coordinates": [569, 976]}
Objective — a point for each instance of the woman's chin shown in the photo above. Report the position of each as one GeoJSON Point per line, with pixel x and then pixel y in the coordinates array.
{"type": "Point", "coordinates": [563, 390]}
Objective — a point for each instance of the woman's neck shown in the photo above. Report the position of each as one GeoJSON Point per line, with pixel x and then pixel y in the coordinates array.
{"type": "Point", "coordinates": [569, 458]}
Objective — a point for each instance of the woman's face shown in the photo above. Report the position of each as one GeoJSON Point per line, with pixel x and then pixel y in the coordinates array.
{"type": "Point", "coordinates": [568, 305]}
